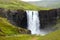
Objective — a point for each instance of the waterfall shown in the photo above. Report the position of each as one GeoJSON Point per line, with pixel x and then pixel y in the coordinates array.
{"type": "Point", "coordinates": [33, 22]}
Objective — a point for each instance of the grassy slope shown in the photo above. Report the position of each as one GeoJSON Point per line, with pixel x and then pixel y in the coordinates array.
{"type": "Point", "coordinates": [13, 4]}
{"type": "Point", "coordinates": [52, 36]}
{"type": "Point", "coordinates": [8, 29]}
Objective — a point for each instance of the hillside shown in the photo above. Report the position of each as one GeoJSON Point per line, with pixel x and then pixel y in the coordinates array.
{"type": "Point", "coordinates": [8, 29]}
{"type": "Point", "coordinates": [12, 4]}
{"type": "Point", "coordinates": [16, 4]}
{"type": "Point", "coordinates": [47, 3]}
{"type": "Point", "coordinates": [52, 36]}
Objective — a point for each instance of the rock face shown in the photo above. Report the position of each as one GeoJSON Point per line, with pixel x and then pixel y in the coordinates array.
{"type": "Point", "coordinates": [48, 17]}
{"type": "Point", "coordinates": [58, 12]}
{"type": "Point", "coordinates": [19, 17]}
{"type": "Point", "coordinates": [3, 12]}
{"type": "Point", "coordinates": [16, 17]}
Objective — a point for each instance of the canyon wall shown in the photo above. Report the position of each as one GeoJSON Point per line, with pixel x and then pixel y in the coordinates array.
{"type": "Point", "coordinates": [19, 17]}
{"type": "Point", "coordinates": [48, 17]}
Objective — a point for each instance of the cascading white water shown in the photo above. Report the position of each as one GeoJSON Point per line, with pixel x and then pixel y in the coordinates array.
{"type": "Point", "coordinates": [33, 22]}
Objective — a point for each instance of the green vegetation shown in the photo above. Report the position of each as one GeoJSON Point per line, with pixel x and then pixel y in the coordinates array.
{"type": "Point", "coordinates": [52, 36]}
{"type": "Point", "coordinates": [8, 29]}
{"type": "Point", "coordinates": [16, 4]}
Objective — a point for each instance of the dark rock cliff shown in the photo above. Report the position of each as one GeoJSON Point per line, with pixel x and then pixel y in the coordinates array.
{"type": "Point", "coordinates": [19, 17]}
{"type": "Point", "coordinates": [48, 17]}
{"type": "Point", "coordinates": [58, 12]}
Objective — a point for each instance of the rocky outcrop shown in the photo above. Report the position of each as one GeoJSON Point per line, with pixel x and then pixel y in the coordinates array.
{"type": "Point", "coordinates": [19, 17]}
{"type": "Point", "coordinates": [3, 12]}
{"type": "Point", "coordinates": [24, 31]}
{"type": "Point", "coordinates": [48, 17]}
{"type": "Point", "coordinates": [16, 17]}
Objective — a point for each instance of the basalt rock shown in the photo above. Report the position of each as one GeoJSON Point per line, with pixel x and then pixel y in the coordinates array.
{"type": "Point", "coordinates": [47, 17]}
{"type": "Point", "coordinates": [58, 12]}
{"type": "Point", "coordinates": [18, 18]}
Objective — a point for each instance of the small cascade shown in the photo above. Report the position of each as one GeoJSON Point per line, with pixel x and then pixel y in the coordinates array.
{"type": "Point", "coordinates": [33, 22]}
